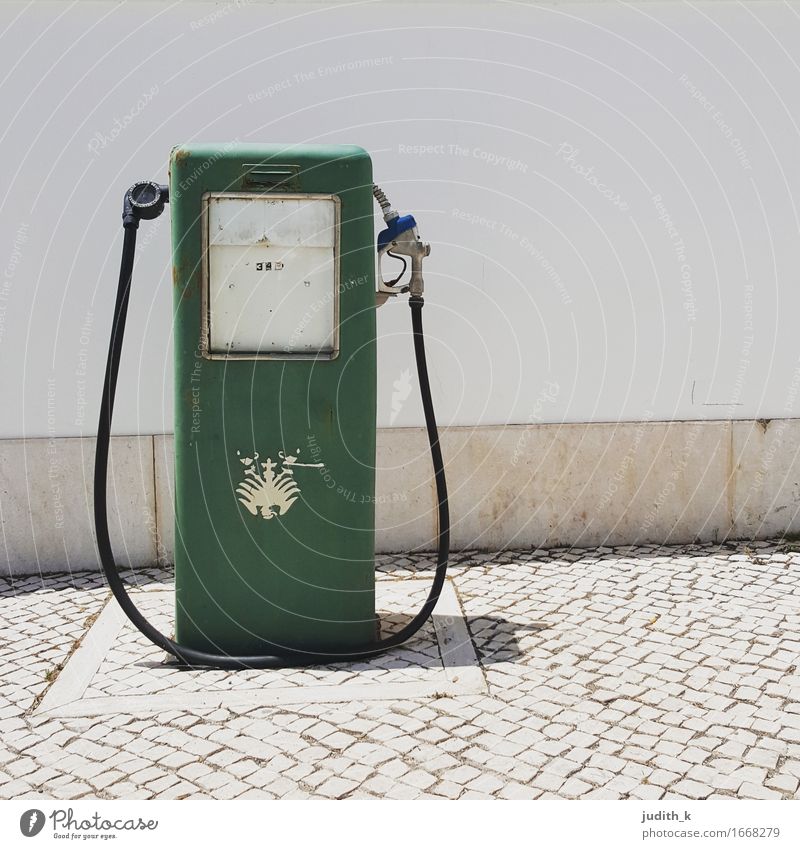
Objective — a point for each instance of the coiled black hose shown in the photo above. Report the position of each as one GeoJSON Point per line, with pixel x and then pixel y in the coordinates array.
{"type": "Point", "coordinates": [281, 658]}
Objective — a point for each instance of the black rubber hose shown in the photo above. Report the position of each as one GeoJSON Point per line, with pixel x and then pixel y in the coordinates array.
{"type": "Point", "coordinates": [281, 658]}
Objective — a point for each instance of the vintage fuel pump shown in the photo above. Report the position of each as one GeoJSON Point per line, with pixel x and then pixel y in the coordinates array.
{"type": "Point", "coordinates": [275, 399]}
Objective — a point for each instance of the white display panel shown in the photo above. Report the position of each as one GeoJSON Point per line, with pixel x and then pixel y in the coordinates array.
{"type": "Point", "coordinates": [271, 275]}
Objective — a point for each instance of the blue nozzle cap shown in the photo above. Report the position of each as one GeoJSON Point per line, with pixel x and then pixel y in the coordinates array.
{"type": "Point", "coordinates": [396, 227]}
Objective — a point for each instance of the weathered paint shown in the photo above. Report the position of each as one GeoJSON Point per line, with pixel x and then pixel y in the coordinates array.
{"type": "Point", "coordinates": [305, 578]}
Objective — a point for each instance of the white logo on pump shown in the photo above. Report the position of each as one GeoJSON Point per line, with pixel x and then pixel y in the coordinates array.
{"type": "Point", "coordinates": [269, 489]}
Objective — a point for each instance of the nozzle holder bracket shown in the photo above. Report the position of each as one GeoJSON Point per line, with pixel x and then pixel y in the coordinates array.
{"type": "Point", "coordinates": [144, 200]}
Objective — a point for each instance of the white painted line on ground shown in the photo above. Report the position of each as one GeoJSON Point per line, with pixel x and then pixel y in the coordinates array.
{"type": "Point", "coordinates": [274, 697]}
{"type": "Point", "coordinates": [79, 670]}
{"type": "Point", "coordinates": [460, 662]}
{"type": "Point", "coordinates": [461, 674]}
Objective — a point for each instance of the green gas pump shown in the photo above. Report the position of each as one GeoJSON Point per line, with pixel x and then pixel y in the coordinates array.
{"type": "Point", "coordinates": [275, 374]}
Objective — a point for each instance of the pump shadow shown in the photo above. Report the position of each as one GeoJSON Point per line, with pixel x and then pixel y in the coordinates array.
{"type": "Point", "coordinates": [497, 640]}
{"type": "Point", "coordinates": [494, 639]}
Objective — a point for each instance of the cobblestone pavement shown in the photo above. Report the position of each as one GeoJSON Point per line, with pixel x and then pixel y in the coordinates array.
{"type": "Point", "coordinates": [613, 673]}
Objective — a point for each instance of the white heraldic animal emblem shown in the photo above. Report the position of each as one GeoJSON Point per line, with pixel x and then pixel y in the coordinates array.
{"type": "Point", "coordinates": [269, 489]}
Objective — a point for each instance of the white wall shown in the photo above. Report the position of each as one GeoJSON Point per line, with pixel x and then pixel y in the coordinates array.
{"type": "Point", "coordinates": [566, 303]}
